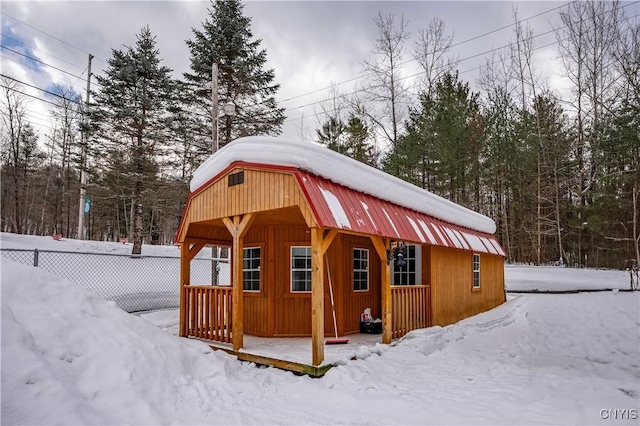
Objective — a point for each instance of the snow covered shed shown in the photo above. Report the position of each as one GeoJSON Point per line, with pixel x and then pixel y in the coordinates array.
{"type": "Point", "coordinates": [299, 214]}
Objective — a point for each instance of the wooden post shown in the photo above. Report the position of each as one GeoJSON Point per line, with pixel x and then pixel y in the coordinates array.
{"type": "Point", "coordinates": [317, 296]}
{"type": "Point", "coordinates": [185, 276]}
{"type": "Point", "coordinates": [238, 227]}
{"type": "Point", "coordinates": [187, 252]}
{"type": "Point", "coordinates": [381, 248]}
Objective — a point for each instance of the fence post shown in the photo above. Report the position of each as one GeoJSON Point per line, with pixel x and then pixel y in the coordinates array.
{"type": "Point", "coordinates": [35, 257]}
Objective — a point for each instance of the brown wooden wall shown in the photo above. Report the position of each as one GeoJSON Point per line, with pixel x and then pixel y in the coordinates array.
{"type": "Point", "coordinates": [262, 190]}
{"type": "Point", "coordinates": [275, 311]}
{"type": "Point", "coordinates": [453, 297]}
{"type": "Point", "coordinates": [350, 304]}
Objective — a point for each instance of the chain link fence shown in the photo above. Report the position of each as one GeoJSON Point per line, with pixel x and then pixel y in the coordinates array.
{"type": "Point", "coordinates": [146, 283]}
{"type": "Point", "coordinates": [135, 283]}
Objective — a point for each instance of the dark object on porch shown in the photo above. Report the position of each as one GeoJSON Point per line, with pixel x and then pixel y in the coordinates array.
{"type": "Point", "coordinates": [370, 327]}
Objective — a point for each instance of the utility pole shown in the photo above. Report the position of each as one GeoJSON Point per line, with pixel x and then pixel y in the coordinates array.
{"type": "Point", "coordinates": [83, 156]}
{"type": "Point", "coordinates": [214, 106]}
{"type": "Point", "coordinates": [215, 250]}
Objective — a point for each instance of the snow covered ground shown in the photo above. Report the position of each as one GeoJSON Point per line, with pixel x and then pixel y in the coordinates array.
{"type": "Point", "coordinates": [70, 357]}
{"type": "Point", "coordinates": [555, 278]}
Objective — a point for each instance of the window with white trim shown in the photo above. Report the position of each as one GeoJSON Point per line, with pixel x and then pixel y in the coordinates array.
{"type": "Point", "coordinates": [476, 270]}
{"type": "Point", "coordinates": [360, 269]}
{"type": "Point", "coordinates": [300, 269]}
{"type": "Point", "coordinates": [411, 273]}
{"type": "Point", "coordinates": [251, 269]}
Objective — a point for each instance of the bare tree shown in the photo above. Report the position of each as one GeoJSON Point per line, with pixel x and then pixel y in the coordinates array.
{"type": "Point", "coordinates": [586, 44]}
{"type": "Point", "coordinates": [330, 118]}
{"type": "Point", "coordinates": [497, 82]}
{"type": "Point", "coordinates": [626, 53]}
{"type": "Point", "coordinates": [384, 96]}
{"type": "Point", "coordinates": [627, 56]}
{"type": "Point", "coordinates": [13, 112]}
{"type": "Point", "coordinates": [430, 50]}
{"type": "Point", "coordinates": [66, 116]}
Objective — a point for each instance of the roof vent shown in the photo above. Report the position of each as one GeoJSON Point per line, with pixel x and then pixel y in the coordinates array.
{"type": "Point", "coordinates": [236, 178]}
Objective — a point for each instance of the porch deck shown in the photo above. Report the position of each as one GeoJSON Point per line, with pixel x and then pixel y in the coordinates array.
{"type": "Point", "coordinates": [294, 353]}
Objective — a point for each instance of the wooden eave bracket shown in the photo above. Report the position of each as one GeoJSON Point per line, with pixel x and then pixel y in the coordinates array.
{"type": "Point", "coordinates": [194, 250]}
{"type": "Point", "coordinates": [381, 247]}
{"type": "Point", "coordinates": [237, 227]}
{"type": "Point", "coordinates": [328, 239]}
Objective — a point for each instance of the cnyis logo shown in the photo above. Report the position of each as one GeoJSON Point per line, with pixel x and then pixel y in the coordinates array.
{"type": "Point", "coordinates": [619, 414]}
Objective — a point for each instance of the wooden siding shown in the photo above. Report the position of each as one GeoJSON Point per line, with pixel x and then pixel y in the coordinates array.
{"type": "Point", "coordinates": [261, 191]}
{"type": "Point", "coordinates": [256, 304]}
{"type": "Point", "coordinates": [276, 311]}
{"type": "Point", "coordinates": [453, 297]}
{"type": "Point", "coordinates": [350, 303]}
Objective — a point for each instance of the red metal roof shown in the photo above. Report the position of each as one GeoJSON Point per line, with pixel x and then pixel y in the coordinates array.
{"type": "Point", "coordinates": [336, 206]}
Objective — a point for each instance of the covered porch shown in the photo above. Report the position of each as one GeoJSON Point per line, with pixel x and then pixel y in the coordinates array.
{"type": "Point", "coordinates": [219, 314]}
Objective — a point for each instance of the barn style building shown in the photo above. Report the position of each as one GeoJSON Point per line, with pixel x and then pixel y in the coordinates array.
{"type": "Point", "coordinates": [299, 217]}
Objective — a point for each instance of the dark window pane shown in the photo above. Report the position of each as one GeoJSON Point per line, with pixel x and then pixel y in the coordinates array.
{"type": "Point", "coordinates": [298, 251]}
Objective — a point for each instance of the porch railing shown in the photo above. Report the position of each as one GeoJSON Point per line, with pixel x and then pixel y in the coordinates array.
{"type": "Point", "coordinates": [208, 310]}
{"type": "Point", "coordinates": [409, 309]}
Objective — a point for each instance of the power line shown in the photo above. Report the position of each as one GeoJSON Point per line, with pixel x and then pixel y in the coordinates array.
{"type": "Point", "coordinates": [43, 90]}
{"type": "Point", "coordinates": [41, 62]}
{"type": "Point", "coordinates": [33, 67]}
{"type": "Point", "coordinates": [413, 59]}
{"type": "Point", "coordinates": [515, 23]}
{"type": "Point", "coordinates": [38, 50]}
{"type": "Point", "coordinates": [459, 61]}
{"type": "Point", "coordinates": [414, 75]}
{"type": "Point", "coordinates": [47, 34]}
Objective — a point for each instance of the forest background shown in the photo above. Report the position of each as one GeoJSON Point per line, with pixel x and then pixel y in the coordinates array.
{"type": "Point", "coordinates": [558, 172]}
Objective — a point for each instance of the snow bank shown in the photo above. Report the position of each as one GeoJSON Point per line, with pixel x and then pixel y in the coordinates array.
{"type": "Point", "coordinates": [343, 170]}
{"type": "Point", "coordinates": [69, 357]}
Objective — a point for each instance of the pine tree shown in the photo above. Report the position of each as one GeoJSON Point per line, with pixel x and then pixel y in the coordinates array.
{"type": "Point", "coordinates": [357, 142]}
{"type": "Point", "coordinates": [440, 150]}
{"type": "Point", "coordinates": [132, 117]}
{"type": "Point", "coordinates": [226, 40]}
{"type": "Point", "coordinates": [331, 134]}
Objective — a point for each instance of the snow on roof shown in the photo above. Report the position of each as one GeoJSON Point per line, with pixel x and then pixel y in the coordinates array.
{"type": "Point", "coordinates": [342, 170]}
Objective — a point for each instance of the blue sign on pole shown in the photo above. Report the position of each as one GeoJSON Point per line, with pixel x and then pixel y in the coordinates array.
{"type": "Point", "coordinates": [87, 204]}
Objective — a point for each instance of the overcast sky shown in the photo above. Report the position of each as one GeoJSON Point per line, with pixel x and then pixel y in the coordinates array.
{"type": "Point", "coordinates": [311, 45]}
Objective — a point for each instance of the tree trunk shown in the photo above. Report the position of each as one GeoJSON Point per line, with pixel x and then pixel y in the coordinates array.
{"type": "Point", "coordinates": [636, 234]}
{"type": "Point", "coordinates": [17, 223]}
{"type": "Point", "coordinates": [137, 232]}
